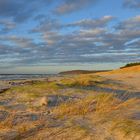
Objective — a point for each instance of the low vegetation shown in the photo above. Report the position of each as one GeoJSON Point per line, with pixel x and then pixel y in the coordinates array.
{"type": "Point", "coordinates": [70, 113]}
{"type": "Point", "coordinates": [82, 80]}
{"type": "Point", "coordinates": [131, 64]}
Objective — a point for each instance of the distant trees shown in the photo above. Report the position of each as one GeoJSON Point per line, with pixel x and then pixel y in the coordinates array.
{"type": "Point", "coordinates": [131, 64]}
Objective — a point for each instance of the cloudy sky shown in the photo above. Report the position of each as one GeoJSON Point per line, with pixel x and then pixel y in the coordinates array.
{"type": "Point", "coordinates": [48, 36]}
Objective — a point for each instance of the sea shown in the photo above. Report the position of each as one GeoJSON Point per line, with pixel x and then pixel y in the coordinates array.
{"type": "Point", "coordinates": [23, 76]}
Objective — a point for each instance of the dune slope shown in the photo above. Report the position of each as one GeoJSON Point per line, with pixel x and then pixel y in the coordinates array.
{"type": "Point", "coordinates": [129, 76]}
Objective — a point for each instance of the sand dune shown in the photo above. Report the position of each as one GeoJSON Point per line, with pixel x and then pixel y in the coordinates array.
{"type": "Point", "coordinates": [134, 69]}
{"type": "Point", "coordinates": [129, 76]}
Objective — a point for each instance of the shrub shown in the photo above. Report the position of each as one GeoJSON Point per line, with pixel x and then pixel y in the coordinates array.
{"type": "Point", "coordinates": [131, 64]}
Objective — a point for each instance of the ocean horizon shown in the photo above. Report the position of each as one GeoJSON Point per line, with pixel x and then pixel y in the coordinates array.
{"type": "Point", "coordinates": [23, 76]}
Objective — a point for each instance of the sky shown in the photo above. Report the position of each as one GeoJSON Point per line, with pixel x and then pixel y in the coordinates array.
{"type": "Point", "coordinates": [49, 36]}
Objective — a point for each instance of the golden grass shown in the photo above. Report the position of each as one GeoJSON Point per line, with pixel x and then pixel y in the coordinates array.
{"type": "Point", "coordinates": [82, 80]}
{"type": "Point", "coordinates": [35, 87]}
{"type": "Point", "coordinates": [127, 126]}
{"type": "Point", "coordinates": [6, 124]}
{"type": "Point", "coordinates": [133, 69]}
{"type": "Point", "coordinates": [101, 109]}
{"type": "Point", "coordinates": [31, 92]}
{"type": "Point", "coordinates": [104, 106]}
{"type": "Point", "coordinates": [100, 104]}
{"type": "Point", "coordinates": [74, 108]}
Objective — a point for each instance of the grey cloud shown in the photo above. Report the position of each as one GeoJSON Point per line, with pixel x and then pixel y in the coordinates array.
{"type": "Point", "coordinates": [20, 10]}
{"type": "Point", "coordinates": [75, 47]}
{"type": "Point", "coordinates": [69, 6]}
{"type": "Point", "coordinates": [7, 25]}
{"type": "Point", "coordinates": [49, 24]}
{"type": "Point", "coordinates": [130, 24]}
{"type": "Point", "coordinates": [5, 49]}
{"type": "Point", "coordinates": [85, 45]}
{"type": "Point", "coordinates": [92, 23]}
{"type": "Point", "coordinates": [22, 42]}
{"type": "Point", "coordinates": [134, 4]}
{"type": "Point", "coordinates": [93, 41]}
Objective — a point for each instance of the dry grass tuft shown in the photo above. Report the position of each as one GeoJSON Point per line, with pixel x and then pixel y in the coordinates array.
{"type": "Point", "coordinates": [127, 126]}
{"type": "Point", "coordinates": [82, 80]}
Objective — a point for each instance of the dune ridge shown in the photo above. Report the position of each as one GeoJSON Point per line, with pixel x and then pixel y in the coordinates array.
{"type": "Point", "coordinates": [133, 69]}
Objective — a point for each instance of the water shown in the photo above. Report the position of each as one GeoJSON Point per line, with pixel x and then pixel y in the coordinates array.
{"type": "Point", "coordinates": [23, 76]}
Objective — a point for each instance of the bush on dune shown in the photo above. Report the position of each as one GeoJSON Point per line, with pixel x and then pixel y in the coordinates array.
{"type": "Point", "coordinates": [131, 64]}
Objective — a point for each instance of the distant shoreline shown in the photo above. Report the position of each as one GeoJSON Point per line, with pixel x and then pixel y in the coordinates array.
{"type": "Point", "coordinates": [23, 76]}
{"type": "Point", "coordinates": [81, 72]}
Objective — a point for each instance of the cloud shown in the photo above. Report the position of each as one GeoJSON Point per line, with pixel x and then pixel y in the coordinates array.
{"type": "Point", "coordinates": [7, 25]}
{"type": "Point", "coordinates": [92, 23]}
{"type": "Point", "coordinates": [30, 35]}
{"type": "Point", "coordinates": [70, 6]}
{"type": "Point", "coordinates": [86, 44]}
{"type": "Point", "coordinates": [51, 24]}
{"type": "Point", "coordinates": [21, 10]}
{"type": "Point", "coordinates": [134, 4]}
{"type": "Point", "coordinates": [47, 24]}
{"type": "Point", "coordinates": [96, 43]}
{"type": "Point", "coordinates": [130, 24]}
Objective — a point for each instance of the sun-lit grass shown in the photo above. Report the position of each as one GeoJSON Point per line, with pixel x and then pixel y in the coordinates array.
{"type": "Point", "coordinates": [128, 126]}
{"type": "Point", "coordinates": [103, 109]}
{"type": "Point", "coordinates": [74, 108]}
{"type": "Point", "coordinates": [38, 87]}
{"type": "Point", "coordinates": [102, 104]}
{"type": "Point", "coordinates": [7, 123]}
{"type": "Point", "coordinates": [105, 106]}
{"type": "Point", "coordinates": [87, 110]}
{"type": "Point", "coordinates": [34, 91]}
{"type": "Point", "coordinates": [82, 80]}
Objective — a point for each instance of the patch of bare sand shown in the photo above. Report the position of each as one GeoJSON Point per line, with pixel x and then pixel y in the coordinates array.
{"type": "Point", "coordinates": [129, 76]}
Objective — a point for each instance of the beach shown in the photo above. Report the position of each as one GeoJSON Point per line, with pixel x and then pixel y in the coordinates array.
{"type": "Point", "coordinates": [70, 107]}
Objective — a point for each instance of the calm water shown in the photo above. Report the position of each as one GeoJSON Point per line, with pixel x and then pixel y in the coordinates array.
{"type": "Point", "coordinates": [23, 76]}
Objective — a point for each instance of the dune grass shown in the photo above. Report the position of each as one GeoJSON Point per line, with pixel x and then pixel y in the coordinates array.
{"type": "Point", "coordinates": [105, 110]}
{"type": "Point", "coordinates": [34, 91]}
{"type": "Point", "coordinates": [82, 80]}
{"type": "Point", "coordinates": [94, 111]}
{"type": "Point", "coordinates": [98, 104]}
{"type": "Point", "coordinates": [38, 87]}
{"type": "Point", "coordinates": [127, 126]}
